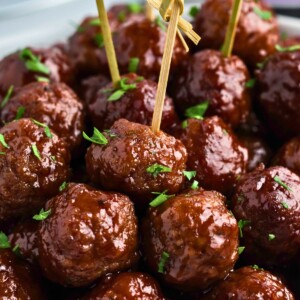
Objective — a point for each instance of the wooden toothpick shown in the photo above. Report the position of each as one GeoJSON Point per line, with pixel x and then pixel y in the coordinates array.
{"type": "Point", "coordinates": [108, 43]}
{"type": "Point", "coordinates": [149, 12]}
{"type": "Point", "coordinates": [231, 28]}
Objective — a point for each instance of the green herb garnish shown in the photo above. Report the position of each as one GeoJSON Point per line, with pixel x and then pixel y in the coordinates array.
{"type": "Point", "coordinates": [123, 88]}
{"type": "Point", "coordinates": [96, 138]}
{"type": "Point", "coordinates": [263, 14]}
{"type": "Point", "coordinates": [250, 83]}
{"type": "Point", "coordinates": [42, 79]}
{"type": "Point", "coordinates": [36, 151]}
{"type": "Point", "coordinates": [184, 124]}
{"type": "Point", "coordinates": [122, 16]}
{"type": "Point", "coordinates": [195, 185]}
{"type": "Point", "coordinates": [163, 259]}
{"type": "Point", "coordinates": [95, 22]}
{"type": "Point", "coordinates": [2, 153]}
{"type": "Point", "coordinates": [241, 250]}
{"type": "Point", "coordinates": [16, 250]}
{"type": "Point", "coordinates": [189, 174]}
{"type": "Point", "coordinates": [155, 169]}
{"type": "Point", "coordinates": [135, 8]}
{"type": "Point", "coordinates": [194, 11]}
{"type": "Point", "coordinates": [42, 215]}
{"type": "Point", "coordinates": [160, 199]}
{"type": "Point", "coordinates": [287, 49]}
{"type": "Point", "coordinates": [20, 112]}
{"type": "Point", "coordinates": [271, 236]}
{"type": "Point", "coordinates": [285, 205]}
{"type": "Point", "coordinates": [256, 267]}
{"type": "Point", "coordinates": [33, 62]}
{"type": "Point", "coordinates": [63, 186]}
{"type": "Point", "coordinates": [133, 64]}
{"type": "Point", "coordinates": [7, 96]}
{"type": "Point", "coordinates": [4, 242]}
{"type": "Point", "coordinates": [278, 180]}
{"type": "Point", "coordinates": [241, 225]}
{"type": "Point", "coordinates": [160, 23]}
{"type": "Point", "coordinates": [197, 111]}
{"type": "Point", "coordinates": [99, 40]}
{"type": "Point", "coordinates": [2, 141]}
{"type": "Point", "coordinates": [46, 128]}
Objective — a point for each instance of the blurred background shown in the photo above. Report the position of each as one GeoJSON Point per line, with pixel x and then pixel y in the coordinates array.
{"type": "Point", "coordinates": [41, 23]}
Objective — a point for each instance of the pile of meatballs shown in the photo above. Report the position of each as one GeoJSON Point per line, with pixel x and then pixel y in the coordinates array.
{"type": "Point", "coordinates": [95, 205]}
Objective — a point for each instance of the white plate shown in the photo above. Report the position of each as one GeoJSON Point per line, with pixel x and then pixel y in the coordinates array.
{"type": "Point", "coordinates": [41, 23]}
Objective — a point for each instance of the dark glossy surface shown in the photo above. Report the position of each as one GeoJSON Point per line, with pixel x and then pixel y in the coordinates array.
{"type": "Point", "coordinates": [126, 286]}
{"type": "Point", "coordinates": [248, 283]}
{"type": "Point", "coordinates": [55, 105]}
{"type": "Point", "coordinates": [259, 199]}
{"type": "Point", "coordinates": [208, 76]}
{"type": "Point", "coordinates": [121, 164]}
{"type": "Point", "coordinates": [199, 234]}
{"type": "Point", "coordinates": [25, 181]}
{"type": "Point", "coordinates": [89, 233]}
{"type": "Point", "coordinates": [289, 156]}
{"type": "Point", "coordinates": [255, 38]}
{"type": "Point", "coordinates": [145, 40]}
{"type": "Point", "coordinates": [17, 280]}
{"type": "Point", "coordinates": [214, 153]}
{"type": "Point", "coordinates": [279, 91]}
{"type": "Point", "coordinates": [137, 105]}
{"type": "Point", "coordinates": [13, 70]}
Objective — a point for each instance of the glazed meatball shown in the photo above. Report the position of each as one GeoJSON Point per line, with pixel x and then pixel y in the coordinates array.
{"type": "Point", "coordinates": [131, 150]}
{"type": "Point", "coordinates": [289, 156]}
{"type": "Point", "coordinates": [24, 236]}
{"type": "Point", "coordinates": [145, 40]}
{"type": "Point", "coordinates": [17, 279]}
{"type": "Point", "coordinates": [136, 105]}
{"type": "Point", "coordinates": [199, 236]}
{"type": "Point", "coordinates": [250, 283]}
{"type": "Point", "coordinates": [32, 167]}
{"type": "Point", "coordinates": [53, 104]}
{"type": "Point", "coordinates": [267, 204]}
{"type": "Point", "coordinates": [127, 286]}
{"type": "Point", "coordinates": [89, 233]}
{"type": "Point", "coordinates": [13, 70]}
{"type": "Point", "coordinates": [279, 89]}
{"type": "Point", "coordinates": [208, 76]}
{"type": "Point", "coordinates": [214, 153]}
{"type": "Point", "coordinates": [257, 30]}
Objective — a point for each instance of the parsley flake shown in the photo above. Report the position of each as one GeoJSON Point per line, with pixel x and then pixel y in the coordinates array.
{"type": "Point", "coordinates": [122, 16]}
{"type": "Point", "coordinates": [20, 112]}
{"type": "Point", "coordinates": [33, 62]}
{"type": "Point", "coordinates": [135, 8]}
{"type": "Point", "coordinates": [7, 96]}
{"type": "Point", "coordinates": [160, 23]}
{"type": "Point", "coordinates": [36, 151]}
{"type": "Point", "coordinates": [133, 64]}
{"type": "Point", "coordinates": [271, 236]}
{"type": "Point", "coordinates": [2, 153]}
{"type": "Point", "coordinates": [195, 185]}
{"type": "Point", "coordinates": [16, 250]}
{"type": "Point", "coordinates": [263, 14]}
{"type": "Point", "coordinates": [42, 79]}
{"type": "Point", "coordinates": [197, 111]}
{"type": "Point", "coordinates": [46, 128]}
{"type": "Point", "coordinates": [42, 215]}
{"type": "Point", "coordinates": [96, 138]}
{"type": "Point", "coordinates": [4, 242]}
{"type": "Point", "coordinates": [160, 199]}
{"type": "Point", "coordinates": [285, 205]}
{"type": "Point", "coordinates": [155, 169]}
{"type": "Point", "coordinates": [287, 49]}
{"type": "Point", "coordinates": [184, 124]}
{"type": "Point", "coordinates": [123, 88]}
{"type": "Point", "coordinates": [241, 225]}
{"type": "Point", "coordinates": [256, 267]}
{"type": "Point", "coordinates": [2, 141]}
{"type": "Point", "coordinates": [241, 250]}
{"type": "Point", "coordinates": [194, 11]}
{"type": "Point", "coordinates": [278, 180]}
{"type": "Point", "coordinates": [63, 186]}
{"type": "Point", "coordinates": [250, 83]}
{"type": "Point", "coordinates": [163, 259]}
{"type": "Point", "coordinates": [99, 40]}
{"type": "Point", "coordinates": [95, 22]}
{"type": "Point", "coordinates": [189, 174]}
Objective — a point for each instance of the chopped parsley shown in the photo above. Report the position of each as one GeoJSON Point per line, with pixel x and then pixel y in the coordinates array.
{"type": "Point", "coordinates": [95, 22]}
{"type": "Point", "coordinates": [96, 138]}
{"type": "Point", "coordinates": [241, 225]}
{"type": "Point", "coordinates": [155, 169]}
{"type": "Point", "coordinates": [33, 62]}
{"type": "Point", "coordinates": [42, 215]}
{"type": "Point", "coordinates": [20, 112]}
{"type": "Point", "coordinates": [110, 133]}
{"type": "Point", "coordinates": [42, 79]}
{"type": "Point", "coordinates": [133, 64]}
{"type": "Point", "coordinates": [2, 141]}
{"type": "Point", "coordinates": [285, 205]}
{"type": "Point", "coordinates": [122, 16]}
{"type": "Point", "coordinates": [99, 40]}
{"type": "Point", "coordinates": [287, 49]}
{"type": "Point", "coordinates": [160, 23]}
{"type": "Point", "coordinates": [256, 267]}
{"type": "Point", "coordinates": [16, 250]}
{"type": "Point", "coordinates": [2, 153]}
{"type": "Point", "coordinates": [123, 87]}
{"type": "Point", "coordinates": [4, 242]}
{"type": "Point", "coordinates": [36, 151]}
{"type": "Point", "coordinates": [63, 186]}
{"type": "Point", "coordinates": [225, 132]}
{"type": "Point", "coordinates": [250, 83]}
{"type": "Point", "coordinates": [278, 180]}
{"type": "Point", "coordinates": [163, 259]}
{"type": "Point", "coordinates": [241, 250]}
{"type": "Point", "coordinates": [184, 124]}
{"type": "Point", "coordinates": [46, 128]}
{"type": "Point", "coordinates": [189, 174]}
{"type": "Point", "coordinates": [263, 14]}
{"type": "Point", "coordinates": [7, 96]}
{"type": "Point", "coordinates": [195, 185]}
{"type": "Point", "coordinates": [160, 199]}
{"type": "Point", "coordinates": [135, 8]}
{"type": "Point", "coordinates": [197, 111]}
{"type": "Point", "coordinates": [271, 236]}
{"type": "Point", "coordinates": [194, 11]}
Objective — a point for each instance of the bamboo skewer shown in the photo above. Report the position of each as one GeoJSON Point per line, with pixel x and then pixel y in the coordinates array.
{"type": "Point", "coordinates": [231, 29]}
{"type": "Point", "coordinates": [108, 43]}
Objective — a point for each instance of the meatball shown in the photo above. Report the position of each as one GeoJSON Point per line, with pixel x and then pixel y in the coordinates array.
{"type": "Point", "coordinates": [13, 70]}
{"type": "Point", "coordinates": [208, 76]}
{"type": "Point", "coordinates": [250, 283]}
{"type": "Point", "coordinates": [53, 104]}
{"type": "Point", "coordinates": [289, 156]}
{"type": "Point", "coordinates": [17, 279]}
{"type": "Point", "coordinates": [127, 286]}
{"type": "Point", "coordinates": [32, 167]}
{"type": "Point", "coordinates": [145, 40]}
{"type": "Point", "coordinates": [127, 163]}
{"type": "Point", "coordinates": [214, 153]}
{"type": "Point", "coordinates": [89, 233]}
{"type": "Point", "coordinates": [279, 89]}
{"type": "Point", "coordinates": [267, 204]}
{"type": "Point", "coordinates": [257, 30]}
{"type": "Point", "coordinates": [136, 105]}
{"type": "Point", "coordinates": [194, 236]}
{"type": "Point", "coordinates": [24, 236]}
